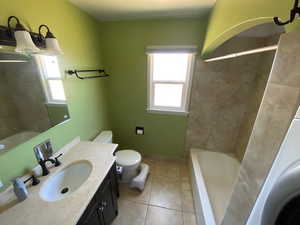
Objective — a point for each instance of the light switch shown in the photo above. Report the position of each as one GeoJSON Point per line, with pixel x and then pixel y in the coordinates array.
{"type": "Point", "coordinates": [139, 130]}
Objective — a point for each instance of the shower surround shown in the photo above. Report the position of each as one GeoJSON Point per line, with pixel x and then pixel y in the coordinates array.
{"type": "Point", "coordinates": [252, 114]}
{"type": "Point", "coordinates": [20, 93]}
{"type": "Point", "coordinates": [278, 108]}
{"type": "Point", "coordinates": [226, 95]}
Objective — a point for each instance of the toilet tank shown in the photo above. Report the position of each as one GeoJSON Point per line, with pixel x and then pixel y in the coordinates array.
{"type": "Point", "coordinates": [104, 137]}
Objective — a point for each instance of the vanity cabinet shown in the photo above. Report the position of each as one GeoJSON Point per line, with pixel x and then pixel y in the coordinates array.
{"type": "Point", "coordinates": [103, 208]}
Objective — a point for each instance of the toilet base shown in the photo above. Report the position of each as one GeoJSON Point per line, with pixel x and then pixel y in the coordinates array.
{"type": "Point", "coordinates": [128, 173]}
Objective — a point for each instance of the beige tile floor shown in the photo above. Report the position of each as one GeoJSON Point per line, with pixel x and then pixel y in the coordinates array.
{"type": "Point", "coordinates": [166, 200]}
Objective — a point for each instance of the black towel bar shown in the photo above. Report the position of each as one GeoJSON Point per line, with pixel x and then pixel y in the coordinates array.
{"type": "Point", "coordinates": [71, 72]}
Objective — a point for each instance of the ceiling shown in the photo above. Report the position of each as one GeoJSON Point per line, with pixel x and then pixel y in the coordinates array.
{"type": "Point", "coordinates": [144, 9]}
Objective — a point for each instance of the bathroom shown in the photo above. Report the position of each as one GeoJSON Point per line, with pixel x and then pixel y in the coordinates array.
{"type": "Point", "coordinates": [232, 105]}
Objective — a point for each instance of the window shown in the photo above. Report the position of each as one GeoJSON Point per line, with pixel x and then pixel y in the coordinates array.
{"type": "Point", "coordinates": [51, 79]}
{"type": "Point", "coordinates": [169, 78]}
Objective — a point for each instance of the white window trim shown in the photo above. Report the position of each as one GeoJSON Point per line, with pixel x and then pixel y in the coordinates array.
{"type": "Point", "coordinates": [45, 84]}
{"type": "Point", "coordinates": [186, 85]}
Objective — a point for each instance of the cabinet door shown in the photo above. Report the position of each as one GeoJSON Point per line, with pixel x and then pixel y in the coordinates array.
{"type": "Point", "coordinates": [94, 218]}
{"type": "Point", "coordinates": [114, 179]}
{"type": "Point", "coordinates": [91, 216]}
{"type": "Point", "coordinates": [108, 203]}
{"type": "Point", "coordinates": [101, 216]}
{"type": "Point", "coordinates": [103, 208]}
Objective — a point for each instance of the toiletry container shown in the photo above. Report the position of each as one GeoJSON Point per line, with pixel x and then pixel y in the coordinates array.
{"type": "Point", "coordinates": [20, 189]}
{"type": "Point", "coordinates": [129, 160]}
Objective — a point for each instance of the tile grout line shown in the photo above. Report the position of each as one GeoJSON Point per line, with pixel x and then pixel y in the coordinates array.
{"type": "Point", "coordinates": [145, 219]}
{"type": "Point", "coordinates": [181, 195]}
{"type": "Point", "coordinates": [151, 187]}
{"type": "Point", "coordinates": [157, 206]}
{"type": "Point", "coordinates": [179, 179]}
{"type": "Point", "coordinates": [150, 191]}
{"type": "Point", "coordinates": [148, 203]}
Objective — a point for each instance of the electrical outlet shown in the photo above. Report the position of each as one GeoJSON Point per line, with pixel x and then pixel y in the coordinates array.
{"type": "Point", "coordinates": [139, 130]}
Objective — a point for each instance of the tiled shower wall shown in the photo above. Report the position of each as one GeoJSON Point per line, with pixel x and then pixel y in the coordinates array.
{"type": "Point", "coordinates": [8, 111]}
{"type": "Point", "coordinates": [253, 104]}
{"type": "Point", "coordinates": [225, 97]}
{"type": "Point", "coordinates": [279, 105]}
{"type": "Point", "coordinates": [28, 95]}
{"type": "Point", "coordinates": [22, 99]}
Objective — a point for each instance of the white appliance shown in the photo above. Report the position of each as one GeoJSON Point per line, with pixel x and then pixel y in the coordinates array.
{"type": "Point", "coordinates": [129, 160]}
{"type": "Point", "coordinates": [282, 183]}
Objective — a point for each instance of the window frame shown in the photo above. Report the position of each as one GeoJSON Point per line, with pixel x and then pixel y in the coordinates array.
{"type": "Point", "coordinates": [186, 85]}
{"type": "Point", "coordinates": [45, 83]}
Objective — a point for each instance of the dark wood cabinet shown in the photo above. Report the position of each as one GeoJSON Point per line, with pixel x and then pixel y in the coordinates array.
{"type": "Point", "coordinates": [103, 208]}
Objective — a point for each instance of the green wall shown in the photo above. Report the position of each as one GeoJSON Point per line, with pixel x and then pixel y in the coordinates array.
{"type": "Point", "coordinates": [57, 113]}
{"type": "Point", "coordinates": [123, 45]}
{"type": "Point", "coordinates": [79, 36]}
{"type": "Point", "coordinates": [230, 17]}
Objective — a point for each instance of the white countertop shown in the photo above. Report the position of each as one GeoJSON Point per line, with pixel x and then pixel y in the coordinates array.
{"type": "Point", "coordinates": [35, 211]}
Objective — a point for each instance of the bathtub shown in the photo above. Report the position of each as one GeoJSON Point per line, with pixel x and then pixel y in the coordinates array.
{"type": "Point", "coordinates": [16, 139]}
{"type": "Point", "coordinates": [213, 178]}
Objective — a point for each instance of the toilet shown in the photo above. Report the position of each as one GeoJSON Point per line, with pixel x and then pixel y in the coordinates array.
{"type": "Point", "coordinates": [128, 160]}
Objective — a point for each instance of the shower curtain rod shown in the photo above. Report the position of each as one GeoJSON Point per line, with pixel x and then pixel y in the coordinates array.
{"type": "Point", "coordinates": [249, 52]}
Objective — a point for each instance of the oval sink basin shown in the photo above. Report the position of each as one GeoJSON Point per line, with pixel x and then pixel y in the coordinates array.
{"type": "Point", "coordinates": [66, 181]}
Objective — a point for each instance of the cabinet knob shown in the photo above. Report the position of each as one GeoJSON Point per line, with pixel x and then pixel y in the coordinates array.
{"type": "Point", "coordinates": [104, 203]}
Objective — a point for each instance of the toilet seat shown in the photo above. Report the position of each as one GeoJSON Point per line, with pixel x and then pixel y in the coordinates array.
{"type": "Point", "coordinates": [128, 157]}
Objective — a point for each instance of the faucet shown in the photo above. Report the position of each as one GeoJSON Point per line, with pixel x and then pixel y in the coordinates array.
{"type": "Point", "coordinates": [35, 180]}
{"type": "Point", "coordinates": [44, 167]}
{"type": "Point", "coordinates": [54, 161]}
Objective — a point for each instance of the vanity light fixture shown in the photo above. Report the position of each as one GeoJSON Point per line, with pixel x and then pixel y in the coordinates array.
{"type": "Point", "coordinates": [52, 45]}
{"type": "Point", "coordinates": [24, 43]}
{"type": "Point", "coordinates": [28, 42]}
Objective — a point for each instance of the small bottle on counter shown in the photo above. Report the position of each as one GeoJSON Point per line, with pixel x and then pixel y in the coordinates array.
{"type": "Point", "coordinates": [20, 189]}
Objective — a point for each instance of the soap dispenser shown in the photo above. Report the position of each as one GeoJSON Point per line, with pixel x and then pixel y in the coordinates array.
{"type": "Point", "coordinates": [20, 189]}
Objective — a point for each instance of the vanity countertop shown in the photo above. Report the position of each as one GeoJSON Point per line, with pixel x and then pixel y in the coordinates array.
{"type": "Point", "coordinates": [67, 211]}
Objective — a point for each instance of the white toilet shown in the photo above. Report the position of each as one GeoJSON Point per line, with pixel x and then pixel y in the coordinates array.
{"type": "Point", "coordinates": [129, 160]}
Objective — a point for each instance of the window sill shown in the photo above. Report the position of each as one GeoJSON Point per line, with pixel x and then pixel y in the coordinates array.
{"type": "Point", "coordinates": [62, 104]}
{"type": "Point", "coordinates": [168, 112]}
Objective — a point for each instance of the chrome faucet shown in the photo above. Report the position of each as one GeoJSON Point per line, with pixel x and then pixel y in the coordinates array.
{"type": "Point", "coordinates": [43, 153]}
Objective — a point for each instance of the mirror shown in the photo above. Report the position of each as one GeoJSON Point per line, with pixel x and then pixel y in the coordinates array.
{"type": "Point", "coordinates": [32, 98]}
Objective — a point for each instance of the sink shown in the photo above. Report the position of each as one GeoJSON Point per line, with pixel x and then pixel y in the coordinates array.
{"type": "Point", "coordinates": [66, 181]}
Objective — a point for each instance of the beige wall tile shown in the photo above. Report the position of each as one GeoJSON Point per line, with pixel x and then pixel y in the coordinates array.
{"type": "Point", "coordinates": [279, 105]}
{"type": "Point", "coordinates": [284, 71]}
{"type": "Point", "coordinates": [221, 95]}
{"type": "Point", "coordinates": [22, 100]}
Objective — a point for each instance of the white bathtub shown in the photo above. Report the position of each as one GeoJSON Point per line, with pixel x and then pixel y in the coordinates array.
{"type": "Point", "coordinates": [213, 179]}
{"type": "Point", "coordinates": [16, 139]}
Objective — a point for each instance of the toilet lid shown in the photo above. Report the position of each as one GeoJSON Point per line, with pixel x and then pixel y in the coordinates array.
{"type": "Point", "coordinates": [128, 157]}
